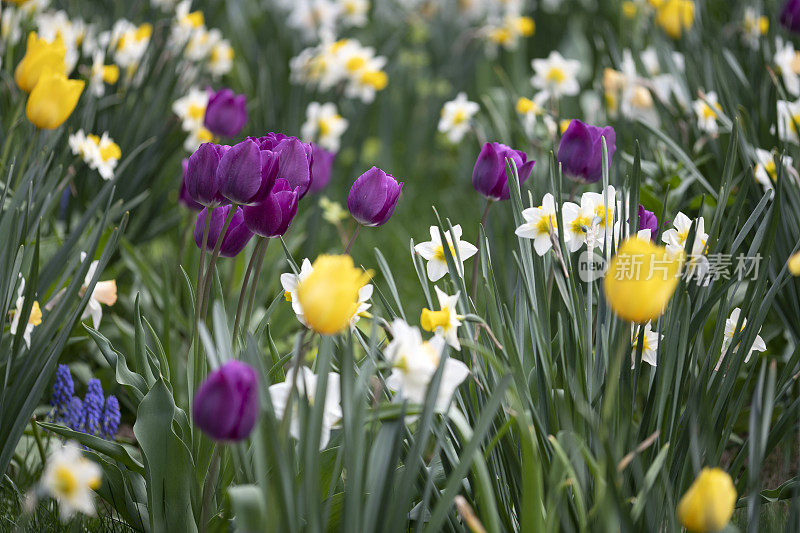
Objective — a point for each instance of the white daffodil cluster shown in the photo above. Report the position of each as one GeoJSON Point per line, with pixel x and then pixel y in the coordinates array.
{"type": "Point", "coordinates": [199, 44]}
{"type": "Point", "coordinates": [324, 125]}
{"type": "Point", "coordinates": [191, 110]}
{"type": "Point", "coordinates": [100, 153]}
{"type": "Point", "coordinates": [344, 63]}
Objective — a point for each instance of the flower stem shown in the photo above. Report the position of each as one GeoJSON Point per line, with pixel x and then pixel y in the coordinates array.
{"type": "Point", "coordinates": [213, 261]}
{"type": "Point", "coordinates": [208, 487]}
{"type": "Point", "coordinates": [477, 259]}
{"type": "Point", "coordinates": [198, 300]}
{"type": "Point", "coordinates": [352, 239]}
{"type": "Point", "coordinates": [254, 285]}
{"type": "Point", "coordinates": [246, 279]}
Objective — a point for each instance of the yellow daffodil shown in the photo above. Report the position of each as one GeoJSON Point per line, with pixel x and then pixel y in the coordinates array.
{"type": "Point", "coordinates": [53, 99]}
{"type": "Point", "coordinates": [329, 295]}
{"type": "Point", "coordinates": [40, 55]}
{"type": "Point", "coordinates": [708, 504]}
{"type": "Point", "coordinates": [641, 279]}
{"type": "Point", "coordinates": [675, 16]}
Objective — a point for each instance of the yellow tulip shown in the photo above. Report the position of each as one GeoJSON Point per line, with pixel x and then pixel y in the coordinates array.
{"type": "Point", "coordinates": [674, 16]}
{"type": "Point", "coordinates": [40, 55]}
{"type": "Point", "coordinates": [794, 264]}
{"type": "Point", "coordinates": [53, 100]}
{"type": "Point", "coordinates": [329, 295]}
{"type": "Point", "coordinates": [708, 504]}
{"type": "Point", "coordinates": [641, 279]}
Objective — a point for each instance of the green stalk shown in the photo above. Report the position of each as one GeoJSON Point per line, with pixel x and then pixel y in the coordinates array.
{"type": "Point", "coordinates": [254, 286]}
{"type": "Point", "coordinates": [246, 279]}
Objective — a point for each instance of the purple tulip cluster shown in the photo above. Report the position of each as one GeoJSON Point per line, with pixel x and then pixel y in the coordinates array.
{"type": "Point", "coordinates": [264, 177]}
{"type": "Point", "coordinates": [225, 406]}
{"type": "Point", "coordinates": [580, 152]}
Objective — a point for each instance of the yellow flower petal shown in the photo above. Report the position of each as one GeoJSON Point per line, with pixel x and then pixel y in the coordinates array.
{"type": "Point", "coordinates": [708, 504]}
{"type": "Point", "coordinates": [40, 55]}
{"type": "Point", "coordinates": [53, 99]}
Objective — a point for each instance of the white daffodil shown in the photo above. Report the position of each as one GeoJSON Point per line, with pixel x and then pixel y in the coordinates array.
{"type": "Point", "coordinates": [220, 58]}
{"type": "Point", "coordinates": [306, 385]}
{"type": "Point", "coordinates": [433, 252]}
{"type": "Point", "coordinates": [414, 363]}
{"type": "Point", "coordinates": [530, 110]}
{"type": "Point", "coordinates": [707, 110]}
{"type": "Point", "coordinates": [197, 137]}
{"type": "Point", "coordinates": [71, 478]}
{"type": "Point", "coordinates": [290, 282]}
{"type": "Point", "coordinates": [754, 26]}
{"type": "Point", "coordinates": [34, 319]}
{"type": "Point", "coordinates": [578, 222]}
{"type": "Point", "coordinates": [446, 320]}
{"type": "Point", "coordinates": [313, 19]}
{"type": "Point", "coordinates": [788, 120]}
{"type": "Point", "coordinates": [129, 42]}
{"type": "Point", "coordinates": [105, 293]}
{"type": "Point", "coordinates": [456, 117]}
{"type": "Point", "coordinates": [353, 12]}
{"type": "Point", "coordinates": [649, 344]}
{"type": "Point", "coordinates": [556, 75]}
{"type": "Point", "coordinates": [191, 109]}
{"type": "Point", "coordinates": [787, 61]}
{"type": "Point", "coordinates": [766, 171]}
{"type": "Point", "coordinates": [101, 74]}
{"type": "Point", "coordinates": [360, 68]}
{"type": "Point", "coordinates": [324, 125]}
{"type": "Point", "coordinates": [540, 224]}
{"type": "Point", "coordinates": [730, 330]}
{"type": "Point", "coordinates": [100, 153]}
{"type": "Point", "coordinates": [602, 212]}
{"type": "Point", "coordinates": [675, 238]}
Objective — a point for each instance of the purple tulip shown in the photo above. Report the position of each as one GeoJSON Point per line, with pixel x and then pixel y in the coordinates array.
{"type": "Point", "coordinates": [226, 113]}
{"type": "Point", "coordinates": [272, 216]}
{"type": "Point", "coordinates": [648, 220]}
{"type": "Point", "coordinates": [489, 173]}
{"type": "Point", "coordinates": [225, 406]}
{"type": "Point", "coordinates": [373, 197]}
{"type": "Point", "coordinates": [235, 239]}
{"type": "Point", "coordinates": [580, 152]}
{"type": "Point", "coordinates": [184, 198]}
{"type": "Point", "coordinates": [790, 15]}
{"type": "Point", "coordinates": [294, 159]}
{"type": "Point", "coordinates": [246, 173]}
{"type": "Point", "coordinates": [320, 167]}
{"type": "Point", "coordinates": [202, 182]}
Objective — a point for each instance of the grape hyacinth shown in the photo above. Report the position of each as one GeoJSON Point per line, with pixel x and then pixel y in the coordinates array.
{"type": "Point", "coordinates": [93, 407]}
{"type": "Point", "coordinates": [63, 389]}
{"type": "Point", "coordinates": [73, 416]}
{"type": "Point", "coordinates": [111, 416]}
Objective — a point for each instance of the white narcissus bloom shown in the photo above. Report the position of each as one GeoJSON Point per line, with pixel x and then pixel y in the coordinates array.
{"type": "Point", "coordinates": [71, 478]}
{"type": "Point", "coordinates": [788, 120]}
{"type": "Point", "coordinates": [456, 117]}
{"type": "Point", "coordinates": [191, 109]}
{"type": "Point", "coordinates": [707, 110]}
{"type": "Point", "coordinates": [100, 153]}
{"type": "Point", "coordinates": [414, 363]}
{"type": "Point", "coordinates": [433, 252]}
{"type": "Point", "coordinates": [306, 385]}
{"type": "Point", "coordinates": [353, 12]}
{"type": "Point", "coordinates": [314, 19]}
{"type": "Point", "coordinates": [540, 223]}
{"type": "Point", "coordinates": [101, 74]}
{"type": "Point", "coordinates": [105, 292]}
{"type": "Point", "coordinates": [578, 222]}
{"type": "Point", "coordinates": [594, 238]}
{"type": "Point", "coordinates": [754, 26]}
{"type": "Point", "coordinates": [766, 171]}
{"type": "Point", "coordinates": [787, 61]}
{"type": "Point", "coordinates": [34, 319]}
{"type": "Point", "coordinates": [220, 58]}
{"type": "Point", "coordinates": [324, 125]}
{"type": "Point", "coordinates": [556, 75]}
{"type": "Point", "coordinates": [197, 137]}
{"type": "Point", "coordinates": [290, 282]}
{"type": "Point", "coordinates": [730, 330]}
{"type": "Point", "coordinates": [129, 42]}
{"type": "Point", "coordinates": [446, 320]}
{"type": "Point", "coordinates": [675, 238]}
{"type": "Point", "coordinates": [649, 344]}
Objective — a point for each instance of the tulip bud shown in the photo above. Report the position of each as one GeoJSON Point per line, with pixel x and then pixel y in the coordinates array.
{"type": "Point", "coordinates": [235, 239]}
{"type": "Point", "coordinates": [40, 55]}
{"type": "Point", "coordinates": [708, 504]}
{"type": "Point", "coordinates": [489, 173]}
{"type": "Point", "coordinates": [225, 406]}
{"type": "Point", "coordinates": [53, 100]}
{"type": "Point", "coordinates": [226, 113]}
{"type": "Point", "coordinates": [790, 15]}
{"type": "Point", "coordinates": [373, 197]}
{"type": "Point", "coordinates": [184, 198]}
{"type": "Point", "coordinates": [246, 173]}
{"type": "Point", "coordinates": [201, 178]}
{"type": "Point", "coordinates": [272, 216]}
{"type": "Point", "coordinates": [321, 165]}
{"type": "Point", "coordinates": [648, 220]}
{"type": "Point", "coordinates": [580, 152]}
